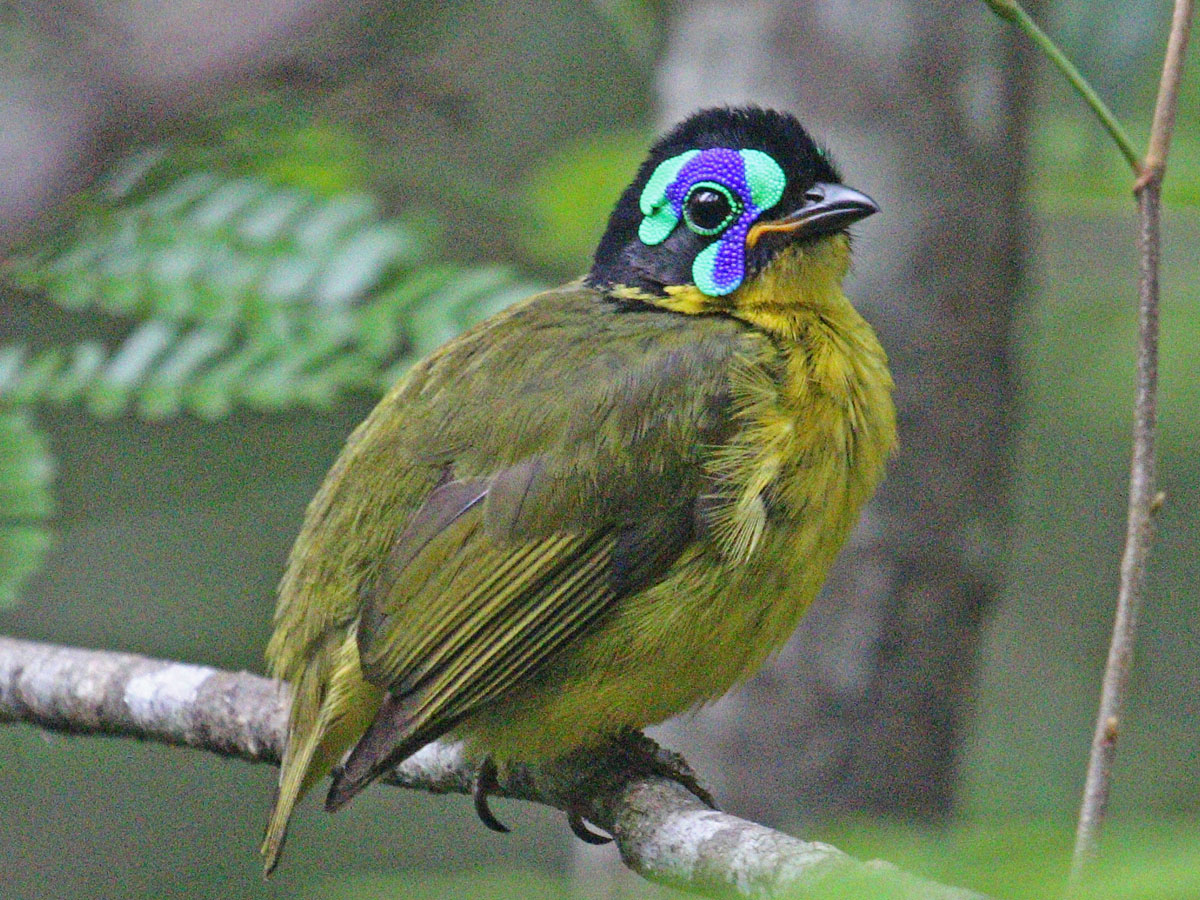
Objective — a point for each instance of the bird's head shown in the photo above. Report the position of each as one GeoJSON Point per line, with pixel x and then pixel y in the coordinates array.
{"type": "Point", "coordinates": [725, 201]}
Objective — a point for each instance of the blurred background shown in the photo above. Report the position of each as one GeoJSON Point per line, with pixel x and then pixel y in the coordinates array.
{"type": "Point", "coordinates": [227, 226]}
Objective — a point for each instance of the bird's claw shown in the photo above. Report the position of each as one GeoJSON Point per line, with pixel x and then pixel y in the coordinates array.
{"type": "Point", "coordinates": [486, 784]}
{"type": "Point", "coordinates": [645, 755]}
{"type": "Point", "coordinates": [583, 832]}
{"type": "Point", "coordinates": [629, 753]}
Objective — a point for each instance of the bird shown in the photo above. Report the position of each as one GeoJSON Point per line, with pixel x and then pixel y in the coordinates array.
{"type": "Point", "coordinates": [606, 504]}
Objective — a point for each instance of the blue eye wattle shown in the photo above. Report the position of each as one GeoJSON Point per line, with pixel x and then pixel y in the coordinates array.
{"type": "Point", "coordinates": [716, 193]}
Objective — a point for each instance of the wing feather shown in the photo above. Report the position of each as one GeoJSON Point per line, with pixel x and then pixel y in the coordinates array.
{"type": "Point", "coordinates": [514, 608]}
{"type": "Point", "coordinates": [505, 494]}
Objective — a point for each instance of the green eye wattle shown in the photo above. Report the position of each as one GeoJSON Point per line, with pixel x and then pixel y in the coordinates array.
{"type": "Point", "coordinates": [710, 208]}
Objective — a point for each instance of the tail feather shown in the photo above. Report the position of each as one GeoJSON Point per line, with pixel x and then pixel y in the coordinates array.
{"type": "Point", "coordinates": [297, 760]}
{"type": "Point", "coordinates": [331, 706]}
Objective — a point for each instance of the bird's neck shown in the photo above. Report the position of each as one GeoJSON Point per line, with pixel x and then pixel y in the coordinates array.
{"type": "Point", "coordinates": [801, 287]}
{"type": "Point", "coordinates": [833, 387]}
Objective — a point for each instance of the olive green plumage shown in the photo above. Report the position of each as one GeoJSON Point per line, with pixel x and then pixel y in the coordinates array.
{"type": "Point", "coordinates": [594, 510]}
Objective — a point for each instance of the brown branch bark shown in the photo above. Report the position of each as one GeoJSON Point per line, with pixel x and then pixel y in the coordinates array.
{"type": "Point", "coordinates": [1143, 499]}
{"type": "Point", "coordinates": [663, 832]}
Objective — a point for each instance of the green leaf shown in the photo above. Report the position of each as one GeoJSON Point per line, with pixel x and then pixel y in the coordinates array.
{"type": "Point", "coordinates": [569, 197]}
{"type": "Point", "coordinates": [238, 290]}
{"type": "Point", "coordinates": [26, 471]}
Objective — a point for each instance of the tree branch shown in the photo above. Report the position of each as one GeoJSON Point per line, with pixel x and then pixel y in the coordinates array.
{"type": "Point", "coordinates": [662, 830]}
{"type": "Point", "coordinates": [1163, 125]}
{"type": "Point", "coordinates": [1143, 497]}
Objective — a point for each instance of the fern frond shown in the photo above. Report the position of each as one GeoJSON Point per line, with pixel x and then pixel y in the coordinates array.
{"type": "Point", "coordinates": [235, 288]}
{"type": "Point", "coordinates": [26, 469]}
{"type": "Point", "coordinates": [241, 292]}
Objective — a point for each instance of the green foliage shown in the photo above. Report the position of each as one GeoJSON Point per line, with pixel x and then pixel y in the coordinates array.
{"type": "Point", "coordinates": [493, 884]}
{"type": "Point", "coordinates": [1024, 860]}
{"type": "Point", "coordinates": [569, 197]}
{"type": "Point", "coordinates": [244, 269]}
{"type": "Point", "coordinates": [239, 292]}
{"type": "Point", "coordinates": [1018, 860]}
{"type": "Point", "coordinates": [1076, 167]}
{"type": "Point", "coordinates": [276, 138]}
{"type": "Point", "coordinates": [26, 469]}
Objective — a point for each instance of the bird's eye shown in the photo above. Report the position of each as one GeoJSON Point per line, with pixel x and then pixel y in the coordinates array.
{"type": "Point", "coordinates": [710, 207]}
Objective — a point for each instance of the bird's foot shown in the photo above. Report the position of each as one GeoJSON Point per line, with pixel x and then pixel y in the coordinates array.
{"type": "Point", "coordinates": [634, 754]}
{"type": "Point", "coordinates": [487, 782]}
{"type": "Point", "coordinates": [594, 772]}
{"type": "Point", "coordinates": [605, 770]}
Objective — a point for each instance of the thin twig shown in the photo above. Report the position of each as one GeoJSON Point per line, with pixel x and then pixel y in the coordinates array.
{"type": "Point", "coordinates": [1012, 11]}
{"type": "Point", "coordinates": [1143, 499]}
{"type": "Point", "coordinates": [661, 828]}
{"type": "Point", "coordinates": [1138, 532]}
{"type": "Point", "coordinates": [1163, 126]}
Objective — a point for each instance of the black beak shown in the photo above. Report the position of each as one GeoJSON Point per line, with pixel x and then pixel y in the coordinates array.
{"type": "Point", "coordinates": [827, 208]}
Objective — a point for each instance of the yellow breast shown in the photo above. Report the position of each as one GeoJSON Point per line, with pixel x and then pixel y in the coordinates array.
{"type": "Point", "coordinates": [815, 423]}
{"type": "Point", "coordinates": [815, 405]}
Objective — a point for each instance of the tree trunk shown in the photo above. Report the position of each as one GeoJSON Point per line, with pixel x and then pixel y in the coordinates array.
{"type": "Point", "coordinates": [923, 104]}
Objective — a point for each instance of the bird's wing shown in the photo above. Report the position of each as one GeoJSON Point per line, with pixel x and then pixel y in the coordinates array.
{"type": "Point", "coordinates": [479, 615]}
{"type": "Point", "coordinates": [458, 614]}
{"type": "Point", "coordinates": [503, 566]}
